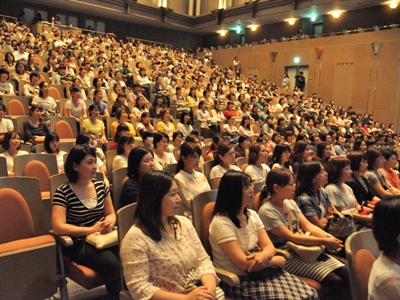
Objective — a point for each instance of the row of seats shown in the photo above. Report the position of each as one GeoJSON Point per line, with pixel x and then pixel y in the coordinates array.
{"type": "Point", "coordinates": [30, 254]}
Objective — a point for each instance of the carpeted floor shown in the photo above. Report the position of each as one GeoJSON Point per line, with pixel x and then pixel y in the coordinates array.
{"type": "Point", "coordinates": [76, 292]}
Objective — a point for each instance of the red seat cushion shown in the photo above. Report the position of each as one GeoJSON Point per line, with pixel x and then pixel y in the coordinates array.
{"type": "Point", "coordinates": [24, 244]}
{"type": "Point", "coordinates": [82, 275]}
{"type": "Point", "coordinates": [15, 217]}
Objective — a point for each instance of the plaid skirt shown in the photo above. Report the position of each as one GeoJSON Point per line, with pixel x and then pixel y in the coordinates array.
{"type": "Point", "coordinates": [316, 270]}
{"type": "Point", "coordinates": [282, 286]}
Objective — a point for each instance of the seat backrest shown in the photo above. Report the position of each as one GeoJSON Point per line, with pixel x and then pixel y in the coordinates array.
{"type": "Point", "coordinates": [363, 261]}
{"type": "Point", "coordinates": [258, 186]}
{"type": "Point", "coordinates": [56, 181]}
{"type": "Point", "coordinates": [37, 60]}
{"type": "Point", "coordinates": [53, 92]}
{"type": "Point", "coordinates": [241, 160]}
{"type": "Point", "coordinates": [125, 220]}
{"type": "Point", "coordinates": [204, 151]}
{"type": "Point", "coordinates": [3, 166]}
{"type": "Point", "coordinates": [205, 225]}
{"type": "Point", "coordinates": [16, 108]}
{"type": "Point", "coordinates": [28, 187]}
{"type": "Point", "coordinates": [110, 154]}
{"type": "Point", "coordinates": [361, 240]}
{"type": "Point", "coordinates": [49, 160]}
{"type": "Point", "coordinates": [38, 169]}
{"type": "Point", "coordinates": [171, 168]}
{"type": "Point", "coordinates": [64, 130]}
{"type": "Point", "coordinates": [15, 217]}
{"type": "Point", "coordinates": [208, 165]}
{"type": "Point", "coordinates": [255, 128]}
{"type": "Point", "coordinates": [118, 176]}
{"type": "Point", "coordinates": [70, 120]}
{"type": "Point", "coordinates": [198, 204]}
{"type": "Point", "coordinates": [20, 125]}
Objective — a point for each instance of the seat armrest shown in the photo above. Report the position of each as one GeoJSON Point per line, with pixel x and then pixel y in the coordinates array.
{"type": "Point", "coordinates": [124, 295]}
{"type": "Point", "coordinates": [65, 240]}
{"type": "Point", "coordinates": [228, 277]}
{"type": "Point", "coordinates": [283, 253]}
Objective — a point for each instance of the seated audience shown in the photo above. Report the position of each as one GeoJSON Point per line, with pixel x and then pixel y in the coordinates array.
{"type": "Point", "coordinates": [140, 162]}
{"type": "Point", "coordinates": [11, 144]}
{"type": "Point", "coordinates": [275, 214]}
{"type": "Point", "coordinates": [257, 168]}
{"type": "Point", "coordinates": [359, 184]}
{"type": "Point", "coordinates": [384, 280]}
{"type": "Point", "coordinates": [240, 245]}
{"type": "Point", "coordinates": [35, 130]}
{"type": "Point", "coordinates": [380, 186]}
{"type": "Point", "coordinates": [390, 162]}
{"type": "Point", "coordinates": [190, 182]}
{"type": "Point", "coordinates": [83, 206]}
{"type": "Point", "coordinates": [52, 146]}
{"type": "Point", "coordinates": [125, 144]}
{"type": "Point", "coordinates": [186, 270]}
{"type": "Point", "coordinates": [162, 158]}
{"type": "Point", "coordinates": [341, 194]}
{"type": "Point", "coordinates": [224, 161]}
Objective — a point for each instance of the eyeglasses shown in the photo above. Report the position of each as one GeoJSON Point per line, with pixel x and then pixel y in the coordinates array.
{"type": "Point", "coordinates": [249, 187]}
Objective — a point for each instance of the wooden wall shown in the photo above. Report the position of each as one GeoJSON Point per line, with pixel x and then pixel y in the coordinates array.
{"type": "Point", "coordinates": [348, 71]}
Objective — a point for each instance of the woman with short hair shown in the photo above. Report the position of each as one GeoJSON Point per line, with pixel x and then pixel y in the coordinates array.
{"type": "Point", "coordinates": [380, 186]}
{"type": "Point", "coordinates": [257, 168]}
{"type": "Point", "coordinates": [125, 145]}
{"type": "Point", "coordinates": [359, 184]}
{"type": "Point", "coordinates": [11, 144]}
{"type": "Point", "coordinates": [340, 193]}
{"type": "Point", "coordinates": [190, 182]}
{"type": "Point", "coordinates": [161, 157]}
{"type": "Point", "coordinates": [83, 206]}
{"type": "Point", "coordinates": [384, 279]}
{"type": "Point", "coordinates": [52, 146]}
{"type": "Point", "coordinates": [140, 162]}
{"type": "Point", "coordinates": [165, 125]}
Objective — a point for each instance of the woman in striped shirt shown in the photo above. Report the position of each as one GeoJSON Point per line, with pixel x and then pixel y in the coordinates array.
{"type": "Point", "coordinates": [82, 206]}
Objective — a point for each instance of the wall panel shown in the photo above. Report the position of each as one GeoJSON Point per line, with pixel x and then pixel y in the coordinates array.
{"type": "Point", "coordinates": [347, 71]}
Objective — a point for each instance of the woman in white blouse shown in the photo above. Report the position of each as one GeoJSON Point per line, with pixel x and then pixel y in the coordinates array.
{"type": "Point", "coordinates": [162, 256]}
{"type": "Point", "coordinates": [217, 114]}
{"type": "Point", "coordinates": [140, 107]}
{"type": "Point", "coordinates": [257, 168]}
{"type": "Point", "coordinates": [11, 143]}
{"type": "Point", "coordinates": [245, 127]}
{"type": "Point", "coordinates": [161, 157]}
{"type": "Point", "coordinates": [47, 102]}
{"type": "Point", "coordinates": [125, 145]}
{"type": "Point", "coordinates": [52, 146]}
{"type": "Point", "coordinates": [184, 125]}
{"type": "Point", "coordinates": [231, 130]}
{"type": "Point", "coordinates": [224, 161]}
{"type": "Point", "coordinates": [340, 193]}
{"type": "Point", "coordinates": [76, 107]}
{"type": "Point", "coordinates": [190, 182]}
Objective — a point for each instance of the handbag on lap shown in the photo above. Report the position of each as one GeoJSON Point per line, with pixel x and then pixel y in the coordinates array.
{"type": "Point", "coordinates": [307, 253]}
{"type": "Point", "coordinates": [102, 241]}
{"type": "Point", "coordinates": [340, 225]}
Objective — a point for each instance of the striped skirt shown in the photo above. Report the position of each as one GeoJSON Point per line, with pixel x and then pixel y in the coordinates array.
{"type": "Point", "coordinates": [282, 286]}
{"type": "Point", "coordinates": [316, 270]}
